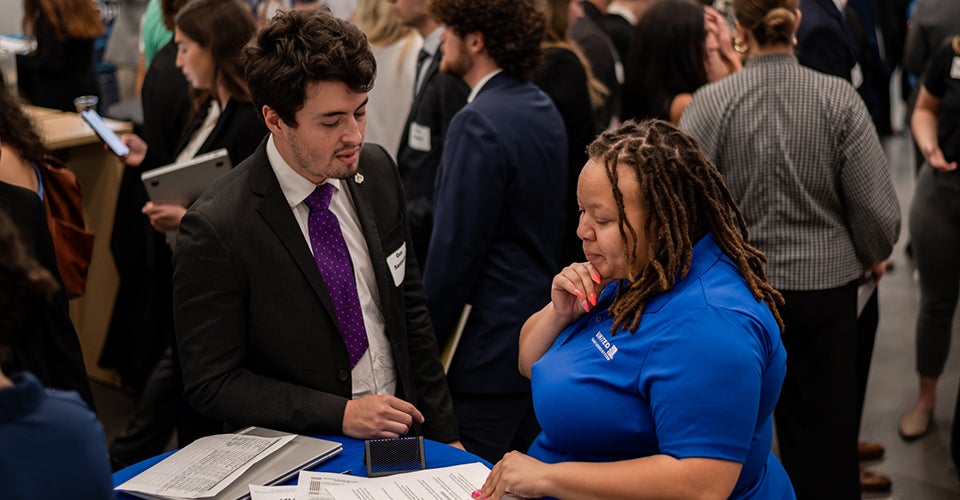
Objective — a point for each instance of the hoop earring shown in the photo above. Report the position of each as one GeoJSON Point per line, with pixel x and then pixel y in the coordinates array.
{"type": "Point", "coordinates": [739, 46]}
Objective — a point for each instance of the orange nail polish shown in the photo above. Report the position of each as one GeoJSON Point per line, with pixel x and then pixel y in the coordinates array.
{"type": "Point", "coordinates": [586, 306]}
{"type": "Point", "coordinates": [596, 278]}
{"type": "Point", "coordinates": [578, 293]}
{"type": "Point", "coordinates": [593, 299]}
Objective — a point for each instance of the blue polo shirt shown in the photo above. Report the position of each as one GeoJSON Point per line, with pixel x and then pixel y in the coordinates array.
{"type": "Point", "coordinates": [699, 378]}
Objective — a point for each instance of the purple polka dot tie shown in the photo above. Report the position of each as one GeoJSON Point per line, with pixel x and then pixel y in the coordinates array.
{"type": "Point", "coordinates": [333, 259]}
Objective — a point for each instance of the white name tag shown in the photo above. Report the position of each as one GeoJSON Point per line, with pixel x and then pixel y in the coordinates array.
{"type": "Point", "coordinates": [955, 69]}
{"type": "Point", "coordinates": [419, 138]}
{"type": "Point", "coordinates": [856, 76]}
{"type": "Point", "coordinates": [397, 262]}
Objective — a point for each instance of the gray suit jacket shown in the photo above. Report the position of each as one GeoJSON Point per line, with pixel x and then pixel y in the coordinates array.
{"type": "Point", "coordinates": [256, 329]}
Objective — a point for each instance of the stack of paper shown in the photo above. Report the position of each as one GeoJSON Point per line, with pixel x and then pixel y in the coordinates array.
{"type": "Point", "coordinates": [454, 483]}
{"type": "Point", "coordinates": [223, 466]}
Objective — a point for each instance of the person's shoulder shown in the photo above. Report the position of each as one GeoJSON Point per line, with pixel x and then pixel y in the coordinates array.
{"type": "Point", "coordinates": [831, 91]}
{"type": "Point", "coordinates": [560, 55]}
{"type": "Point", "coordinates": [444, 82]}
{"type": "Point", "coordinates": [375, 158]}
{"type": "Point", "coordinates": [224, 195]}
{"type": "Point", "coordinates": [18, 197]}
{"type": "Point", "coordinates": [814, 12]}
{"type": "Point", "coordinates": [68, 402]}
{"type": "Point", "coordinates": [715, 96]}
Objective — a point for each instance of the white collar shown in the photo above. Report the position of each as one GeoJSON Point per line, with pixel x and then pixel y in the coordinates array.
{"type": "Point", "coordinates": [622, 11]}
{"type": "Point", "coordinates": [841, 4]}
{"type": "Point", "coordinates": [295, 187]}
{"type": "Point", "coordinates": [483, 81]}
{"type": "Point", "coordinates": [432, 42]}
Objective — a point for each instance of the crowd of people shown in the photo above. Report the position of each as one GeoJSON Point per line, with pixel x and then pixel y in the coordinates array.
{"type": "Point", "coordinates": [610, 247]}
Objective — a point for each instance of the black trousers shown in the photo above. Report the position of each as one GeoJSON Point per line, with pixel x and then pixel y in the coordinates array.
{"type": "Point", "coordinates": [866, 337]}
{"type": "Point", "coordinates": [493, 424]}
{"type": "Point", "coordinates": [817, 416]}
{"type": "Point", "coordinates": [160, 410]}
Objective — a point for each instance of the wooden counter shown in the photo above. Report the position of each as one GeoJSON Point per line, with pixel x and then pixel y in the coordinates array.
{"type": "Point", "coordinates": [99, 173]}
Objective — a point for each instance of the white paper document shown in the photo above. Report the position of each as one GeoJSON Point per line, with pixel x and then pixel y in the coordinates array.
{"type": "Point", "coordinates": [313, 485]}
{"type": "Point", "coordinates": [205, 467]}
{"type": "Point", "coordinates": [273, 492]}
{"type": "Point", "coordinates": [447, 483]}
{"type": "Point", "coordinates": [864, 292]}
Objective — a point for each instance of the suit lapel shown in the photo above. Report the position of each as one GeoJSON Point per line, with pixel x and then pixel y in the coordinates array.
{"type": "Point", "coordinates": [371, 234]}
{"type": "Point", "coordinates": [273, 207]}
{"type": "Point", "coordinates": [430, 71]}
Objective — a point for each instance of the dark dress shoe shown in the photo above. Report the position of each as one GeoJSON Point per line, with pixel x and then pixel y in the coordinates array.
{"type": "Point", "coordinates": [871, 481]}
{"type": "Point", "coordinates": [868, 450]}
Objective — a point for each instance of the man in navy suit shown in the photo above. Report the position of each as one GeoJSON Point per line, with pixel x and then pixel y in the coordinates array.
{"type": "Point", "coordinates": [437, 97]}
{"type": "Point", "coordinates": [824, 42]}
{"type": "Point", "coordinates": [498, 220]}
{"type": "Point", "coordinates": [296, 307]}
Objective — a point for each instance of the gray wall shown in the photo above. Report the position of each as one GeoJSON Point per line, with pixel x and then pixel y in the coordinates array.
{"type": "Point", "coordinates": [11, 12]}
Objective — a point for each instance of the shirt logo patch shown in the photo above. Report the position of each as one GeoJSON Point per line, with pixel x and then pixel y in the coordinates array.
{"type": "Point", "coordinates": [603, 345]}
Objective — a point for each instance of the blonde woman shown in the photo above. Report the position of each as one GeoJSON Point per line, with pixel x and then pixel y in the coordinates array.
{"type": "Point", "coordinates": [395, 47]}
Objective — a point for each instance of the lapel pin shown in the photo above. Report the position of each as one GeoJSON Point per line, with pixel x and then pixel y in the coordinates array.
{"type": "Point", "coordinates": [358, 178]}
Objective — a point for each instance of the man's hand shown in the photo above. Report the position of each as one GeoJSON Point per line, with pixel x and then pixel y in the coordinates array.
{"type": "Point", "coordinates": [379, 417]}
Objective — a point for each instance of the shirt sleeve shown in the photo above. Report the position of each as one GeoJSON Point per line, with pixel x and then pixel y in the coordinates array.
{"type": "Point", "coordinates": [938, 72]}
{"type": "Point", "coordinates": [704, 379]}
{"type": "Point", "coordinates": [866, 188]}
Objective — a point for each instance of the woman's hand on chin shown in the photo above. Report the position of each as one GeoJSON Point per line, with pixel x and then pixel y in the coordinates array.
{"type": "Point", "coordinates": [575, 289]}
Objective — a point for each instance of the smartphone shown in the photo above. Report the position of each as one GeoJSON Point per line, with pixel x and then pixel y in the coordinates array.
{"type": "Point", "coordinates": [108, 136]}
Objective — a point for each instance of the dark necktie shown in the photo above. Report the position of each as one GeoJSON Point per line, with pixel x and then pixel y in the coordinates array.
{"type": "Point", "coordinates": [422, 58]}
{"type": "Point", "coordinates": [333, 259]}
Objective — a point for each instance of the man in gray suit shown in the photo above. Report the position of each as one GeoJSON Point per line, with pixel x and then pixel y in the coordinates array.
{"type": "Point", "coordinates": [296, 305]}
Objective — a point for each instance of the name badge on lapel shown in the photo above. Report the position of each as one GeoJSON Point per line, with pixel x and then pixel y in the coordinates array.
{"type": "Point", "coordinates": [419, 138]}
{"type": "Point", "coordinates": [955, 69]}
{"type": "Point", "coordinates": [856, 76]}
{"type": "Point", "coordinates": [397, 262]}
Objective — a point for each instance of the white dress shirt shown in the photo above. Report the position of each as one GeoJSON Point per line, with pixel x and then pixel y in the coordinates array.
{"type": "Point", "coordinates": [374, 373]}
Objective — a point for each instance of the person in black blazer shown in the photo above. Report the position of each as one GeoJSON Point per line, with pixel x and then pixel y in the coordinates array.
{"type": "Point", "coordinates": [499, 219]}
{"type": "Point", "coordinates": [142, 322]}
{"type": "Point", "coordinates": [562, 76]}
{"type": "Point", "coordinates": [258, 330]}
{"type": "Point", "coordinates": [588, 34]}
{"type": "Point", "coordinates": [210, 34]}
{"type": "Point", "coordinates": [61, 68]}
{"type": "Point", "coordinates": [47, 345]}
{"type": "Point", "coordinates": [437, 97]}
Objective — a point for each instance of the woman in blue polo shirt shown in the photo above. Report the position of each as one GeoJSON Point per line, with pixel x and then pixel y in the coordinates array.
{"type": "Point", "coordinates": [657, 365]}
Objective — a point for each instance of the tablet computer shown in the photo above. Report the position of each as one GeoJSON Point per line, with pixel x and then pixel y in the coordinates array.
{"type": "Point", "coordinates": [303, 453]}
{"type": "Point", "coordinates": [182, 183]}
{"type": "Point", "coordinates": [103, 131]}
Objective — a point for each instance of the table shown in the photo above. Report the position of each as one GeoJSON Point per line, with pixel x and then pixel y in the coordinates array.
{"type": "Point", "coordinates": [99, 173]}
{"type": "Point", "coordinates": [350, 459]}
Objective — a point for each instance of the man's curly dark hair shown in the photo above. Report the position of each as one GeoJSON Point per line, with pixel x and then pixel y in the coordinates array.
{"type": "Point", "coordinates": [512, 29]}
{"type": "Point", "coordinates": [300, 47]}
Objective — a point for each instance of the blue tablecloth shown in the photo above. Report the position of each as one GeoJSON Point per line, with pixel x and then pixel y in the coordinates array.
{"type": "Point", "coordinates": [350, 459]}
